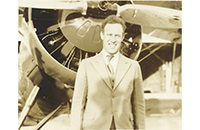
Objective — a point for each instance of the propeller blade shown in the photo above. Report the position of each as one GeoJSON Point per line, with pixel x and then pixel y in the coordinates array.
{"type": "Point", "coordinates": [151, 16]}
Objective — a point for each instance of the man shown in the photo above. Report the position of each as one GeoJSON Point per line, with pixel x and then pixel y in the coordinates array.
{"type": "Point", "coordinates": [108, 92]}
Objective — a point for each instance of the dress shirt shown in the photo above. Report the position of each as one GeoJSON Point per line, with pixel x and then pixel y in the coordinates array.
{"type": "Point", "coordinates": [113, 61]}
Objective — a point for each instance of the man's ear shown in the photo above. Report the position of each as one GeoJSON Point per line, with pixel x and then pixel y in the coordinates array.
{"type": "Point", "coordinates": [123, 35]}
{"type": "Point", "coordinates": [101, 35]}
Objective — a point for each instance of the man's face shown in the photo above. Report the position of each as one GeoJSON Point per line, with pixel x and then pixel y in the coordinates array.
{"type": "Point", "coordinates": [112, 37]}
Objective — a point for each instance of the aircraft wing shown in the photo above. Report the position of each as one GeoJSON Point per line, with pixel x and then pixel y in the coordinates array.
{"type": "Point", "coordinates": [53, 4]}
{"type": "Point", "coordinates": [161, 35]}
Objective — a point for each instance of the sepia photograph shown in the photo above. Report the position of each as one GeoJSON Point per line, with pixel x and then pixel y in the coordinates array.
{"type": "Point", "coordinates": [99, 65]}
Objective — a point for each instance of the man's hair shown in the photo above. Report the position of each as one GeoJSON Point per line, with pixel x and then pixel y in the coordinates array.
{"type": "Point", "coordinates": [112, 19]}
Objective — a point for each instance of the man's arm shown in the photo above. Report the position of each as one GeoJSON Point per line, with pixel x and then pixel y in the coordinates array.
{"type": "Point", "coordinates": [78, 101]}
{"type": "Point", "coordinates": [138, 101]}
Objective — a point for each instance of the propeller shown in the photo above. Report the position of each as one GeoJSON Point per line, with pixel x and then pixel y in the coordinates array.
{"type": "Point", "coordinates": [151, 16]}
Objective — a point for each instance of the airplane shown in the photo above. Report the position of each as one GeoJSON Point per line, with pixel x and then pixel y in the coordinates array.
{"type": "Point", "coordinates": [56, 35]}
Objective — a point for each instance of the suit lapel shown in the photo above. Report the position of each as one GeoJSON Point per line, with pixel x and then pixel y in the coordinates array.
{"type": "Point", "coordinates": [99, 65]}
{"type": "Point", "coordinates": [122, 68]}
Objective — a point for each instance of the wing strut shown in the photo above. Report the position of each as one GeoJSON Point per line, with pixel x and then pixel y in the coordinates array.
{"type": "Point", "coordinates": [28, 105]}
{"type": "Point", "coordinates": [151, 52]}
{"type": "Point", "coordinates": [41, 123]}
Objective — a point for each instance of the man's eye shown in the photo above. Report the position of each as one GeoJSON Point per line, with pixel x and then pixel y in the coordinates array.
{"type": "Point", "coordinates": [109, 34]}
{"type": "Point", "coordinates": [118, 36]}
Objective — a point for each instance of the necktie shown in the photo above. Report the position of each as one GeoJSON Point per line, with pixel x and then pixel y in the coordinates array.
{"type": "Point", "coordinates": [109, 66]}
{"type": "Point", "coordinates": [111, 69]}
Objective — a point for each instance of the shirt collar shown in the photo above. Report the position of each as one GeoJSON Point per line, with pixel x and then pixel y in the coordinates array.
{"type": "Point", "coordinates": [105, 53]}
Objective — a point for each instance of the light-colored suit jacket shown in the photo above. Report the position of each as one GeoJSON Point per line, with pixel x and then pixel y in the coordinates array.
{"type": "Point", "coordinates": [96, 101]}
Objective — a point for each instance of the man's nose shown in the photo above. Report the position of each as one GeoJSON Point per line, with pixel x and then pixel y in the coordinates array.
{"type": "Point", "coordinates": [113, 39]}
